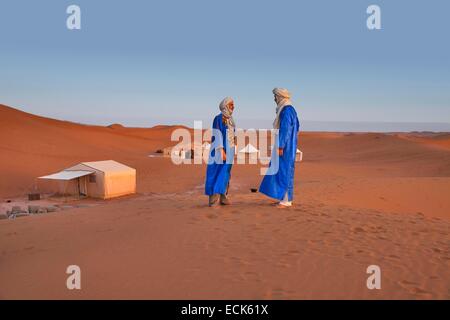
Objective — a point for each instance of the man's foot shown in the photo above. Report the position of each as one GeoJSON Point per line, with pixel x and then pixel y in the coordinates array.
{"type": "Point", "coordinates": [213, 199]}
{"type": "Point", "coordinates": [224, 200]}
{"type": "Point", "coordinates": [282, 206]}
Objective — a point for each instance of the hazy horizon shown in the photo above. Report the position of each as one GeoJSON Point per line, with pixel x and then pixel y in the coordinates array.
{"type": "Point", "coordinates": [306, 125]}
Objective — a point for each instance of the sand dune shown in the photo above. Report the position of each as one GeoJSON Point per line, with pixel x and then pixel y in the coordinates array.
{"type": "Point", "coordinates": [360, 198]}
{"type": "Point", "coordinates": [440, 140]}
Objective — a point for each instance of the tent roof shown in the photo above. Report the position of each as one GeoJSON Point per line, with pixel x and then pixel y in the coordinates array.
{"type": "Point", "coordinates": [249, 149]}
{"type": "Point", "coordinates": [108, 166]}
{"type": "Point", "coordinates": [67, 175]}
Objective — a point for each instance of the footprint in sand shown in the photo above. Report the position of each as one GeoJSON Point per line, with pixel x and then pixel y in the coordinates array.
{"type": "Point", "coordinates": [252, 276]}
{"type": "Point", "coordinates": [421, 292]}
{"type": "Point", "coordinates": [358, 230]}
{"type": "Point", "coordinates": [256, 227]}
{"type": "Point", "coordinates": [12, 234]}
{"type": "Point", "coordinates": [283, 264]}
{"type": "Point", "coordinates": [413, 288]}
{"type": "Point", "coordinates": [276, 293]}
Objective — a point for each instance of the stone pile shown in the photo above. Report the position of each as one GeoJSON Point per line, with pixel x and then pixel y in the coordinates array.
{"type": "Point", "coordinates": [17, 211]}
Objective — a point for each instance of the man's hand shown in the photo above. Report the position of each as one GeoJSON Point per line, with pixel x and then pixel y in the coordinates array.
{"type": "Point", "coordinates": [224, 155]}
{"type": "Point", "coordinates": [280, 152]}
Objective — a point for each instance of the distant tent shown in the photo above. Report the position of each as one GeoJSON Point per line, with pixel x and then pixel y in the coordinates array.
{"type": "Point", "coordinates": [248, 154]}
{"type": "Point", "coordinates": [249, 149]}
{"type": "Point", "coordinates": [186, 151]}
{"type": "Point", "coordinates": [298, 156]}
{"type": "Point", "coordinates": [99, 179]}
{"type": "Point", "coordinates": [116, 126]}
{"type": "Point", "coordinates": [206, 148]}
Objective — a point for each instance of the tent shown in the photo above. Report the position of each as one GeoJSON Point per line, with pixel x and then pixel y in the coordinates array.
{"type": "Point", "coordinates": [187, 151]}
{"type": "Point", "coordinates": [249, 149]}
{"type": "Point", "coordinates": [99, 179]}
{"type": "Point", "coordinates": [248, 154]}
{"type": "Point", "coordinates": [298, 156]}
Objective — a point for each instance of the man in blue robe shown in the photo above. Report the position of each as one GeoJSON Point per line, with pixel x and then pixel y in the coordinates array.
{"type": "Point", "coordinates": [221, 156]}
{"type": "Point", "coordinates": [279, 183]}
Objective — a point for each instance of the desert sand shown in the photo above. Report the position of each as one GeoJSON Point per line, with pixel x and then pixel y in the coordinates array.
{"type": "Point", "coordinates": [360, 199]}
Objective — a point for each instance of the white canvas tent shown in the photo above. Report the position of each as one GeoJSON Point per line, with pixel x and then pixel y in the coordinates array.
{"type": "Point", "coordinates": [99, 179]}
{"type": "Point", "coordinates": [248, 154]}
{"type": "Point", "coordinates": [187, 151]}
{"type": "Point", "coordinates": [249, 149]}
{"type": "Point", "coordinates": [206, 146]}
{"type": "Point", "coordinates": [298, 155]}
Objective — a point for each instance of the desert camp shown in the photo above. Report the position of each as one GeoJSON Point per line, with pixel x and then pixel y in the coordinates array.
{"type": "Point", "coordinates": [211, 152]}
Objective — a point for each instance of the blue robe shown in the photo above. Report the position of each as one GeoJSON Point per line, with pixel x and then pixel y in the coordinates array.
{"type": "Point", "coordinates": [217, 172]}
{"type": "Point", "coordinates": [282, 180]}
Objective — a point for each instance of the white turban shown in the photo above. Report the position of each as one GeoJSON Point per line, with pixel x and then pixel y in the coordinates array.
{"type": "Point", "coordinates": [227, 118]}
{"type": "Point", "coordinates": [283, 99]}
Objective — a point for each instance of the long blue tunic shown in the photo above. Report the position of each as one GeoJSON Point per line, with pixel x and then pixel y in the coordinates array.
{"type": "Point", "coordinates": [217, 172]}
{"type": "Point", "coordinates": [276, 185]}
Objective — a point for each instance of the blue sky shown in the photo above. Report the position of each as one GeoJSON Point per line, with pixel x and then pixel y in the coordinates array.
{"type": "Point", "coordinates": [142, 63]}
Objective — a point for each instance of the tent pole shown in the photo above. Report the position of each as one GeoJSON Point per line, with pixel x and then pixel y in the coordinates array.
{"type": "Point", "coordinates": [79, 189]}
{"type": "Point", "coordinates": [65, 191]}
